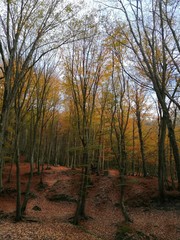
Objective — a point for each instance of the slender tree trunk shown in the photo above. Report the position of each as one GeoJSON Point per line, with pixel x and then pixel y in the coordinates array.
{"type": "Point", "coordinates": [122, 179]}
{"type": "Point", "coordinates": [133, 139]}
{"type": "Point", "coordinates": [41, 174]}
{"type": "Point", "coordinates": [122, 190]}
{"type": "Point", "coordinates": [40, 146]}
{"type": "Point", "coordinates": [49, 155]}
{"type": "Point", "coordinates": [170, 152]}
{"type": "Point", "coordinates": [171, 167]}
{"type": "Point", "coordinates": [18, 186]}
{"type": "Point", "coordinates": [68, 152]}
{"type": "Point", "coordinates": [3, 124]}
{"type": "Point", "coordinates": [26, 197]}
{"type": "Point", "coordinates": [42, 165]}
{"type": "Point", "coordinates": [1, 171]}
{"type": "Point", "coordinates": [18, 178]}
{"type": "Point", "coordinates": [80, 210]}
{"type": "Point", "coordinates": [10, 172]}
{"type": "Point", "coordinates": [55, 147]}
{"type": "Point", "coordinates": [74, 159]}
{"type": "Point", "coordinates": [138, 115]}
{"type": "Point", "coordinates": [161, 159]}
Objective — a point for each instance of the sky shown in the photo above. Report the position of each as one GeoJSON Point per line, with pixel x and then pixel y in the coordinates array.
{"type": "Point", "coordinates": [89, 3]}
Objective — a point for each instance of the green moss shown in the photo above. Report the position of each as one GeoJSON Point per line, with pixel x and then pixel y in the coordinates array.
{"type": "Point", "coordinates": [123, 231]}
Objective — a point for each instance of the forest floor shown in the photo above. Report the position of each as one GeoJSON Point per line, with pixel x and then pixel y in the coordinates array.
{"type": "Point", "coordinates": [53, 204]}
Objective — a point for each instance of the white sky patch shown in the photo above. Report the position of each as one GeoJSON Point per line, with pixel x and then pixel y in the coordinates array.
{"type": "Point", "coordinates": [89, 4]}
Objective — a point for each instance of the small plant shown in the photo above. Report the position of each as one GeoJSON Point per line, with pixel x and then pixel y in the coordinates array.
{"type": "Point", "coordinates": [123, 232]}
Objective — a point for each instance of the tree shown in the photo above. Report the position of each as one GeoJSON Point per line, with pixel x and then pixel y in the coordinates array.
{"type": "Point", "coordinates": [103, 95]}
{"type": "Point", "coordinates": [120, 110]}
{"type": "Point", "coordinates": [139, 99]}
{"type": "Point", "coordinates": [83, 71]}
{"type": "Point", "coordinates": [44, 82]}
{"type": "Point", "coordinates": [170, 15]}
{"type": "Point", "coordinates": [147, 40]}
{"type": "Point", "coordinates": [21, 106]}
{"type": "Point", "coordinates": [29, 30]}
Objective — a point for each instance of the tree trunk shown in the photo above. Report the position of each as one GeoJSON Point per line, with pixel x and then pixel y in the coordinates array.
{"type": "Point", "coordinates": [172, 138]}
{"type": "Point", "coordinates": [1, 171]}
{"type": "Point", "coordinates": [138, 115]}
{"type": "Point", "coordinates": [18, 186]}
{"type": "Point", "coordinates": [122, 188]}
{"type": "Point", "coordinates": [42, 165]}
{"type": "Point", "coordinates": [133, 150]}
{"type": "Point", "coordinates": [174, 146]}
{"type": "Point", "coordinates": [10, 172]}
{"type": "Point", "coordinates": [18, 178]}
{"type": "Point", "coordinates": [171, 168]}
{"type": "Point", "coordinates": [3, 124]}
{"type": "Point", "coordinates": [80, 210]}
{"type": "Point", "coordinates": [26, 198]}
{"type": "Point", "coordinates": [122, 180]}
{"type": "Point", "coordinates": [161, 159]}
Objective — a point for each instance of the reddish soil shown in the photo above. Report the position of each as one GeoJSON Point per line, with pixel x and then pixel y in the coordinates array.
{"type": "Point", "coordinates": [50, 221]}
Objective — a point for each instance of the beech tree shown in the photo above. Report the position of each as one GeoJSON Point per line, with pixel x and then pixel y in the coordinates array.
{"type": "Point", "coordinates": [21, 107]}
{"type": "Point", "coordinates": [169, 13]}
{"type": "Point", "coordinates": [29, 30]}
{"type": "Point", "coordinates": [101, 107]}
{"type": "Point", "coordinates": [83, 71]}
{"type": "Point", "coordinates": [42, 85]}
{"type": "Point", "coordinates": [148, 37]}
{"type": "Point", "coordinates": [120, 116]}
{"type": "Point", "coordinates": [139, 100]}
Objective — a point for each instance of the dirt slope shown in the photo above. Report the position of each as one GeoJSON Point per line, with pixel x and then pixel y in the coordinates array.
{"type": "Point", "coordinates": [50, 207]}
